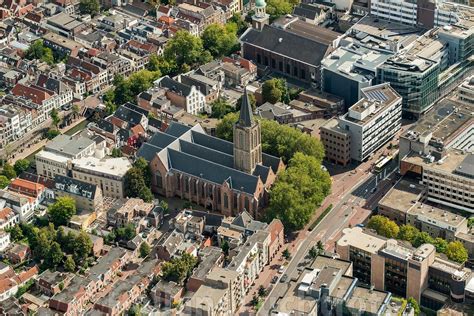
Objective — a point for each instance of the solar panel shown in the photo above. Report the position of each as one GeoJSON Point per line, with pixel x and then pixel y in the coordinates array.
{"type": "Point", "coordinates": [377, 95]}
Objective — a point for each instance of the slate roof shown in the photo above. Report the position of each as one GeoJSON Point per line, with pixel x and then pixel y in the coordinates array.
{"type": "Point", "coordinates": [74, 186]}
{"type": "Point", "coordinates": [246, 115]}
{"type": "Point", "coordinates": [213, 172]}
{"type": "Point", "coordinates": [286, 43]}
{"type": "Point", "coordinates": [136, 108]}
{"type": "Point", "coordinates": [175, 86]}
{"type": "Point", "coordinates": [176, 129]}
{"type": "Point", "coordinates": [128, 115]}
{"type": "Point", "coordinates": [161, 139]}
{"type": "Point", "coordinates": [306, 10]}
{"type": "Point", "coordinates": [106, 126]}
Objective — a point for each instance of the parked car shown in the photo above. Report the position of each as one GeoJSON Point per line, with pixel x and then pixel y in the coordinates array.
{"type": "Point", "coordinates": [275, 279]}
{"type": "Point", "coordinates": [283, 278]}
{"type": "Point", "coordinates": [282, 269]}
{"type": "Point", "coordinates": [360, 225]}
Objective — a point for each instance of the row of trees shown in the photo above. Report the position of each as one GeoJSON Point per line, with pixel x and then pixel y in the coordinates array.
{"type": "Point", "coordinates": [52, 247]}
{"type": "Point", "coordinates": [278, 140]}
{"type": "Point", "coordinates": [303, 185]}
{"type": "Point", "coordinates": [454, 250]}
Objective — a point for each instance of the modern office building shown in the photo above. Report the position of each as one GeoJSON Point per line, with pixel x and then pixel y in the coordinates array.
{"type": "Point", "coordinates": [449, 180]}
{"type": "Point", "coordinates": [337, 142]}
{"type": "Point", "coordinates": [360, 52]}
{"type": "Point", "coordinates": [372, 121]}
{"type": "Point", "coordinates": [414, 73]}
{"type": "Point", "coordinates": [466, 91]}
{"type": "Point", "coordinates": [389, 265]}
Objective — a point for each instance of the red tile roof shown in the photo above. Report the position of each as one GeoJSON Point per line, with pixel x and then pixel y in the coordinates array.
{"type": "Point", "coordinates": [35, 95]}
{"type": "Point", "coordinates": [5, 213]}
{"type": "Point", "coordinates": [25, 186]}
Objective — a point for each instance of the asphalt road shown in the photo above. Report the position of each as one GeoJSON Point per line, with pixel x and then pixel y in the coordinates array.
{"type": "Point", "coordinates": [330, 226]}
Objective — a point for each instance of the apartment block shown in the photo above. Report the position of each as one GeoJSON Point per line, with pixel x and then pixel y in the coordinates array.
{"type": "Point", "coordinates": [404, 271]}
{"type": "Point", "coordinates": [372, 121]}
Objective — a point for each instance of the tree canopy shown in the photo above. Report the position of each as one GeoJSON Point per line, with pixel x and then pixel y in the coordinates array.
{"type": "Point", "coordinates": [178, 269]}
{"type": "Point", "coordinates": [186, 50]}
{"type": "Point", "coordinates": [138, 181]}
{"type": "Point", "coordinates": [144, 249]}
{"type": "Point", "coordinates": [274, 90]}
{"type": "Point", "coordinates": [383, 226]}
{"type": "Point", "coordinates": [4, 181]}
{"type": "Point", "coordinates": [62, 210]}
{"type": "Point", "coordinates": [8, 171]}
{"type": "Point", "coordinates": [220, 108]}
{"type": "Point", "coordinates": [278, 140]}
{"type": "Point", "coordinates": [21, 165]}
{"type": "Point", "coordinates": [91, 7]}
{"type": "Point", "coordinates": [298, 191]}
{"type": "Point", "coordinates": [456, 252]}
{"type": "Point", "coordinates": [38, 51]}
{"type": "Point", "coordinates": [219, 40]}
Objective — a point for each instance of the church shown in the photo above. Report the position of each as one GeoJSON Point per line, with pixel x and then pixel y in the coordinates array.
{"type": "Point", "coordinates": [222, 176]}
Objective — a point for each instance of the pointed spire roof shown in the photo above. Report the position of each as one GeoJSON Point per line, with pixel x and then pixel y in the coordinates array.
{"type": "Point", "coordinates": [246, 115]}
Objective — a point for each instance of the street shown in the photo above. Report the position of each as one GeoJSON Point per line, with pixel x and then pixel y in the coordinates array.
{"type": "Point", "coordinates": [353, 200]}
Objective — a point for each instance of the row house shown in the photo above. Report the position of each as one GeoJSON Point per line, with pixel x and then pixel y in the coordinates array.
{"type": "Point", "coordinates": [82, 289]}
{"type": "Point", "coordinates": [126, 293]}
{"type": "Point", "coordinates": [114, 64]}
{"type": "Point", "coordinates": [31, 109]}
{"type": "Point", "coordinates": [14, 123]}
{"type": "Point", "coordinates": [138, 62]}
{"type": "Point", "coordinates": [22, 205]}
{"type": "Point", "coordinates": [134, 211]}
{"type": "Point", "coordinates": [94, 77]}
{"type": "Point", "coordinates": [202, 14]}
{"type": "Point", "coordinates": [8, 218]}
{"type": "Point", "coordinates": [5, 240]}
{"type": "Point", "coordinates": [11, 281]}
{"type": "Point", "coordinates": [61, 45]}
{"type": "Point", "coordinates": [45, 99]}
{"type": "Point", "coordinates": [58, 87]}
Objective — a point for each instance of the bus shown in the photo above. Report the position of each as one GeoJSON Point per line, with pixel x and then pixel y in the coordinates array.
{"type": "Point", "coordinates": [382, 163]}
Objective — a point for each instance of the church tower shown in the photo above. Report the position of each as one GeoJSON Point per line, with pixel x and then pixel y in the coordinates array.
{"type": "Point", "coordinates": [247, 142]}
{"type": "Point", "coordinates": [260, 18]}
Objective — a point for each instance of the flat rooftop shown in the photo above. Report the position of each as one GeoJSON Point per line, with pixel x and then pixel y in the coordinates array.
{"type": "Point", "coordinates": [62, 41]}
{"type": "Point", "coordinates": [444, 121]}
{"type": "Point", "coordinates": [367, 300]}
{"type": "Point", "coordinates": [449, 164]}
{"type": "Point", "coordinates": [431, 213]}
{"type": "Point", "coordinates": [402, 196]}
{"type": "Point", "coordinates": [111, 166]}
{"type": "Point", "coordinates": [357, 238]}
{"type": "Point", "coordinates": [69, 145]}
{"type": "Point", "coordinates": [375, 100]}
{"type": "Point", "coordinates": [65, 21]}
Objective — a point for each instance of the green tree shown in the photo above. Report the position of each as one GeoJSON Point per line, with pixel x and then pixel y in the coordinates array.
{"type": "Point", "coordinates": [69, 264]}
{"type": "Point", "coordinates": [164, 206]}
{"type": "Point", "coordinates": [135, 186]}
{"type": "Point", "coordinates": [75, 109]}
{"type": "Point", "coordinates": [4, 182]}
{"type": "Point", "coordinates": [144, 249]}
{"type": "Point", "coordinates": [320, 246]}
{"type": "Point", "coordinates": [62, 210]}
{"type": "Point", "coordinates": [224, 128]}
{"type": "Point", "coordinates": [408, 233]}
{"type": "Point", "coordinates": [219, 40]}
{"type": "Point", "coordinates": [16, 234]}
{"type": "Point", "coordinates": [52, 133]}
{"type": "Point", "coordinates": [126, 233]}
{"type": "Point", "coordinates": [178, 269]}
{"type": "Point", "coordinates": [38, 51]}
{"type": "Point", "coordinates": [21, 165]}
{"type": "Point", "coordinates": [262, 291]}
{"type": "Point", "coordinates": [220, 108]}
{"type": "Point", "coordinates": [82, 247]}
{"type": "Point", "coordinates": [54, 114]}
{"type": "Point", "coordinates": [135, 310]}
{"type": "Point", "coordinates": [8, 171]}
{"type": "Point", "coordinates": [414, 304]}
{"type": "Point", "coordinates": [142, 80]}
{"type": "Point", "coordinates": [144, 167]}
{"type": "Point", "coordinates": [186, 50]}
{"type": "Point", "coordinates": [238, 23]}
{"type": "Point", "coordinates": [286, 254]}
{"type": "Point", "coordinates": [40, 244]}
{"type": "Point", "coordinates": [422, 238]}
{"type": "Point", "coordinates": [272, 91]}
{"type": "Point", "coordinates": [313, 252]}
{"type": "Point", "coordinates": [116, 152]}
{"type": "Point", "coordinates": [55, 255]}
{"type": "Point", "coordinates": [255, 300]}
{"type": "Point", "coordinates": [440, 244]}
{"type": "Point", "coordinates": [91, 7]}
{"type": "Point", "coordinates": [298, 191]}
{"type": "Point", "coordinates": [456, 252]}
{"type": "Point", "coordinates": [470, 222]}
{"type": "Point", "coordinates": [277, 8]}
{"type": "Point", "coordinates": [383, 226]}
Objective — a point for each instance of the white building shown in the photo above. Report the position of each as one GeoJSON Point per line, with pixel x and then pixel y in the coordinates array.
{"type": "Point", "coordinates": [184, 96]}
{"type": "Point", "coordinates": [373, 120]}
{"type": "Point", "coordinates": [466, 90]}
{"type": "Point", "coordinates": [8, 218]}
{"type": "Point", "coordinates": [14, 123]}
{"type": "Point", "coordinates": [22, 205]}
{"type": "Point", "coordinates": [401, 11]}
{"type": "Point", "coordinates": [4, 240]}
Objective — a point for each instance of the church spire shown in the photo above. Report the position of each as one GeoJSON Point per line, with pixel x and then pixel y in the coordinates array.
{"type": "Point", "coordinates": [246, 115]}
